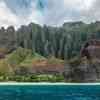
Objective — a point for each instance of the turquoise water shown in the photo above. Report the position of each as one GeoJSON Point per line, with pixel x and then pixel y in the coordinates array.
{"type": "Point", "coordinates": [50, 92]}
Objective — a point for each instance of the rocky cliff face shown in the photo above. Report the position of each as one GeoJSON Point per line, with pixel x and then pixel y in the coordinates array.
{"type": "Point", "coordinates": [85, 71]}
{"type": "Point", "coordinates": [87, 67]}
{"type": "Point", "coordinates": [91, 49]}
{"type": "Point", "coordinates": [7, 39]}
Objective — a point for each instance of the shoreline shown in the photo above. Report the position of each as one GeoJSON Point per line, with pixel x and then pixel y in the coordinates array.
{"type": "Point", "coordinates": [44, 83]}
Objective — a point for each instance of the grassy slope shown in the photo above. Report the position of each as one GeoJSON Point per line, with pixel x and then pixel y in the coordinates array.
{"type": "Point", "coordinates": [23, 57]}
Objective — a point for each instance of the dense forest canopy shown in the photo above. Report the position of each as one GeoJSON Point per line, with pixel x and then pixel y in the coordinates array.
{"type": "Point", "coordinates": [62, 42]}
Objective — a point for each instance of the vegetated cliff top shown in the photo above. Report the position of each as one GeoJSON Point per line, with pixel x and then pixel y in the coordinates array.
{"type": "Point", "coordinates": [62, 42]}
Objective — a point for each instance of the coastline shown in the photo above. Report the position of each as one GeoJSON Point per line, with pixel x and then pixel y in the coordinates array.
{"type": "Point", "coordinates": [44, 83]}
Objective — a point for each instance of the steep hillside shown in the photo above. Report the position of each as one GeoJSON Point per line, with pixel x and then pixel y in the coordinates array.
{"type": "Point", "coordinates": [29, 62]}
{"type": "Point", "coordinates": [62, 42]}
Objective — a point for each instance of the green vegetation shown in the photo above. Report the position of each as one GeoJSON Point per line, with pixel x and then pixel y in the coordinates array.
{"type": "Point", "coordinates": [23, 56]}
{"type": "Point", "coordinates": [76, 61]}
{"type": "Point", "coordinates": [32, 78]}
{"type": "Point", "coordinates": [35, 46]}
{"type": "Point", "coordinates": [61, 42]}
{"type": "Point", "coordinates": [53, 60]}
{"type": "Point", "coordinates": [25, 59]}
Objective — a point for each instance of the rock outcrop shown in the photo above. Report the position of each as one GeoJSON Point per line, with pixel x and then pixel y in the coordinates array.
{"type": "Point", "coordinates": [91, 49]}
{"type": "Point", "coordinates": [87, 67]}
{"type": "Point", "coordinates": [85, 71]}
{"type": "Point", "coordinates": [7, 39]}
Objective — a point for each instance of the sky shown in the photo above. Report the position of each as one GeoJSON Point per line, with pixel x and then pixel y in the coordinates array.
{"type": "Point", "coordinates": [50, 12]}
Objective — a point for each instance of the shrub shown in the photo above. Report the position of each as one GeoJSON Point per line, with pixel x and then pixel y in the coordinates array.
{"type": "Point", "coordinates": [76, 61]}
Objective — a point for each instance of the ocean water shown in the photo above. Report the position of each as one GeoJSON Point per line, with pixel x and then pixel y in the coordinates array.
{"type": "Point", "coordinates": [50, 92]}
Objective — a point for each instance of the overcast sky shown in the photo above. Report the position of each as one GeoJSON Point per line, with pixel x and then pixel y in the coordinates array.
{"type": "Point", "coordinates": [50, 12]}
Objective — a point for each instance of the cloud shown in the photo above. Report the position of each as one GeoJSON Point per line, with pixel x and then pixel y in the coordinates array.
{"type": "Point", "coordinates": [50, 12]}
{"type": "Point", "coordinates": [6, 16]}
{"type": "Point", "coordinates": [19, 7]}
{"type": "Point", "coordinates": [16, 15]}
{"type": "Point", "coordinates": [57, 12]}
{"type": "Point", "coordinates": [92, 13]}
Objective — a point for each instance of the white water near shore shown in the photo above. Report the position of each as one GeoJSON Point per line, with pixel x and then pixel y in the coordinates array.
{"type": "Point", "coordinates": [45, 83]}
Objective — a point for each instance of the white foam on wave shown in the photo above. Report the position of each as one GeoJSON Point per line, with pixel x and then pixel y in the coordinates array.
{"type": "Point", "coordinates": [45, 83]}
